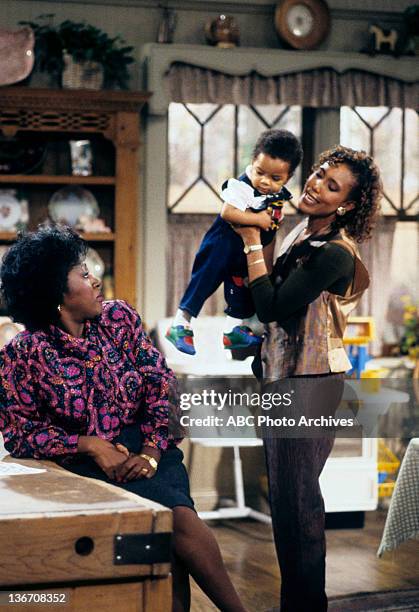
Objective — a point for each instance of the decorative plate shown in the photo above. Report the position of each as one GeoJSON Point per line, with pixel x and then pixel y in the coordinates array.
{"type": "Point", "coordinates": [68, 204]}
{"type": "Point", "coordinates": [16, 54]}
{"type": "Point", "coordinates": [10, 209]}
{"type": "Point", "coordinates": [95, 263]}
{"type": "Point", "coordinates": [302, 24]}
{"type": "Point", "coordinates": [20, 155]}
{"type": "Point", "coordinates": [8, 330]}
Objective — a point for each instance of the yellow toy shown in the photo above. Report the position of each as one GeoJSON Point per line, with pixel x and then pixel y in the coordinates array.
{"type": "Point", "coordinates": [388, 464]}
{"type": "Point", "coordinates": [274, 206]}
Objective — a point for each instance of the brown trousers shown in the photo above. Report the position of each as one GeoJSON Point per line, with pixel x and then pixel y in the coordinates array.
{"type": "Point", "coordinates": [294, 465]}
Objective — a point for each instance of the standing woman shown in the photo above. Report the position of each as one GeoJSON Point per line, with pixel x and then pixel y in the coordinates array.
{"type": "Point", "coordinates": [317, 280]}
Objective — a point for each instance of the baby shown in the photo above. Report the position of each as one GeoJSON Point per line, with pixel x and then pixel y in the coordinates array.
{"type": "Point", "coordinates": [248, 200]}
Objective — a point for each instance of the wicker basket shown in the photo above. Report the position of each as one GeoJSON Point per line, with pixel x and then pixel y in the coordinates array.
{"type": "Point", "coordinates": [82, 75]}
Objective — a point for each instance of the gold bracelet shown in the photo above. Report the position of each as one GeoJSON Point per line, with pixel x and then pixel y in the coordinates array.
{"type": "Point", "coordinates": [253, 263]}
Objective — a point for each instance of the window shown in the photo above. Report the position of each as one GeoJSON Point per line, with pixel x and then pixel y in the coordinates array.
{"type": "Point", "coordinates": [209, 143]}
{"type": "Point", "coordinates": [390, 135]}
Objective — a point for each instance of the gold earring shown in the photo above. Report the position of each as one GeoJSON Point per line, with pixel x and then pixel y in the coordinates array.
{"type": "Point", "coordinates": [341, 211]}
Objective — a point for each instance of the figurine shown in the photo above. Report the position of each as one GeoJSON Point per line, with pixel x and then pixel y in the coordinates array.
{"type": "Point", "coordinates": [403, 41]}
{"type": "Point", "coordinates": [86, 223]}
{"type": "Point", "coordinates": [222, 32]}
{"type": "Point", "coordinates": [167, 26]}
{"type": "Point", "coordinates": [383, 41]}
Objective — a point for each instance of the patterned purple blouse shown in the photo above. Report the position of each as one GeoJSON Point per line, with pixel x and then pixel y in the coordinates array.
{"type": "Point", "coordinates": [54, 387]}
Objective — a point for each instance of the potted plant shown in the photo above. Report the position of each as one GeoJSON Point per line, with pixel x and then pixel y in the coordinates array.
{"type": "Point", "coordinates": [79, 54]}
{"type": "Point", "coordinates": [409, 344]}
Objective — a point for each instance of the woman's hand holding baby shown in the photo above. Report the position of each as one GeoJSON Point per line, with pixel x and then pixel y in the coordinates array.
{"type": "Point", "coordinates": [264, 220]}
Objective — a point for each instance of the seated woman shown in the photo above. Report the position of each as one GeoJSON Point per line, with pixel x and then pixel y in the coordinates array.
{"type": "Point", "coordinates": [84, 386]}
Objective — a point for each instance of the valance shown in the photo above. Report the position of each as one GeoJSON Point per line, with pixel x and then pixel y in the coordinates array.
{"type": "Point", "coordinates": [198, 73]}
{"type": "Point", "coordinates": [319, 88]}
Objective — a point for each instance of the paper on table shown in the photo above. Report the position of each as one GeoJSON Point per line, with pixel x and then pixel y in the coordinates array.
{"type": "Point", "coordinates": [15, 469]}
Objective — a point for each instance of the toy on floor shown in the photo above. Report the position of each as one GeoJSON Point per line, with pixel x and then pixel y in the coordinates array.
{"type": "Point", "coordinates": [359, 332]}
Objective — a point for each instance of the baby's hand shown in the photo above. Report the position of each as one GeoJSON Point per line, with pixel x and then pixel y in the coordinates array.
{"type": "Point", "coordinates": [264, 220]}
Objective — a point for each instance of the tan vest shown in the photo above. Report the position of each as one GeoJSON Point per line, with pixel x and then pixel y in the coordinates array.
{"type": "Point", "coordinates": [313, 343]}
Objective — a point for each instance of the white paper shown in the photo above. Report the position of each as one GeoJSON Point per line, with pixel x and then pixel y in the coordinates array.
{"type": "Point", "coordinates": [15, 469]}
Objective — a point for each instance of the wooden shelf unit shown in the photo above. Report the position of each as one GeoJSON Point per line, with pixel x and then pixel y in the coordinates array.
{"type": "Point", "coordinates": [89, 236]}
{"type": "Point", "coordinates": [47, 179]}
{"type": "Point", "coordinates": [7, 236]}
{"type": "Point", "coordinates": [74, 114]}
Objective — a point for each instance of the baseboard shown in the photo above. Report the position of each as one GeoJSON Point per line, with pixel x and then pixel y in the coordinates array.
{"type": "Point", "coordinates": [345, 520]}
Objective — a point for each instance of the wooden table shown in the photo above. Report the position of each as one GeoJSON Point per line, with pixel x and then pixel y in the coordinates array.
{"type": "Point", "coordinates": [104, 548]}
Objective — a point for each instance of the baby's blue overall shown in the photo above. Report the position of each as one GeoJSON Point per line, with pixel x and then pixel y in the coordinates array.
{"type": "Point", "coordinates": [220, 259]}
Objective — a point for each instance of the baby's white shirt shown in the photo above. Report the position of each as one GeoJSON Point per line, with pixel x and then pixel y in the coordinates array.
{"type": "Point", "coordinates": [241, 195]}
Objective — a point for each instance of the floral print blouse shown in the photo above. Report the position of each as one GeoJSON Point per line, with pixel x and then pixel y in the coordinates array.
{"type": "Point", "coordinates": [55, 387]}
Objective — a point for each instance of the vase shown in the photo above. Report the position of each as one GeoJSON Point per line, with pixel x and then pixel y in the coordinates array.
{"type": "Point", "coordinates": [222, 32]}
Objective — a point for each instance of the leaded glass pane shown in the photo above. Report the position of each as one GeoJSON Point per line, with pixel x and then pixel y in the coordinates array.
{"type": "Point", "coordinates": [209, 143]}
{"type": "Point", "coordinates": [200, 199]}
{"type": "Point", "coordinates": [391, 137]}
{"type": "Point", "coordinates": [219, 147]}
{"type": "Point", "coordinates": [183, 143]}
{"type": "Point", "coordinates": [411, 163]}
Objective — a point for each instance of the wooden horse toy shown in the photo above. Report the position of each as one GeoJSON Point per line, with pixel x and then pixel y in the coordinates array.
{"type": "Point", "coordinates": [384, 41]}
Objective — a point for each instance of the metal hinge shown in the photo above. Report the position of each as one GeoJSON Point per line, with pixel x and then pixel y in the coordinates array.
{"type": "Point", "coordinates": [142, 548]}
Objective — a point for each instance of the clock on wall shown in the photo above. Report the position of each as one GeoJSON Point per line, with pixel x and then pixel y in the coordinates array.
{"type": "Point", "coordinates": [302, 24]}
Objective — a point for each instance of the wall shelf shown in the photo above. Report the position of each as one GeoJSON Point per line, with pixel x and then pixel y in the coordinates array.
{"type": "Point", "coordinates": [98, 236]}
{"type": "Point", "coordinates": [7, 236]}
{"type": "Point", "coordinates": [89, 236]}
{"type": "Point", "coordinates": [46, 179]}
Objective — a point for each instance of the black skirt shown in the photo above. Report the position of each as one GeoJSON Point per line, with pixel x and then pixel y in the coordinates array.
{"type": "Point", "coordinates": [168, 487]}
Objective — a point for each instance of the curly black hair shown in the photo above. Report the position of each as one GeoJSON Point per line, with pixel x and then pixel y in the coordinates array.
{"type": "Point", "coordinates": [280, 144]}
{"type": "Point", "coordinates": [359, 222]}
{"type": "Point", "coordinates": [34, 272]}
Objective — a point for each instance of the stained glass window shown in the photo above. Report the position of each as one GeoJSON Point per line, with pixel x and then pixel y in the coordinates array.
{"type": "Point", "coordinates": [390, 135]}
{"type": "Point", "coordinates": [209, 143]}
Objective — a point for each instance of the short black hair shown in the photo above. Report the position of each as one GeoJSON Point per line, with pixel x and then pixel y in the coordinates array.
{"type": "Point", "coordinates": [280, 144]}
{"type": "Point", "coordinates": [34, 272]}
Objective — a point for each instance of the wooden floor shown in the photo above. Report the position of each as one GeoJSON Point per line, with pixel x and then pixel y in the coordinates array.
{"type": "Point", "coordinates": [352, 565]}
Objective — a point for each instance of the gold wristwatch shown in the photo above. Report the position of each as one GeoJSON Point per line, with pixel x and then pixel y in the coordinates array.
{"type": "Point", "coordinates": [253, 247]}
{"type": "Point", "coordinates": [153, 463]}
